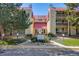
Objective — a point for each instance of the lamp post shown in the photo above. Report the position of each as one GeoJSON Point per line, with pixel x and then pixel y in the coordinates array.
{"type": "Point", "coordinates": [78, 23]}
{"type": "Point", "coordinates": [63, 36]}
{"type": "Point", "coordinates": [3, 36]}
{"type": "Point", "coordinates": [17, 35]}
{"type": "Point", "coordinates": [69, 28]}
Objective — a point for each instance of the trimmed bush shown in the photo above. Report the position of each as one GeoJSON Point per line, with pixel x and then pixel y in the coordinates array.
{"type": "Point", "coordinates": [15, 41]}
{"type": "Point", "coordinates": [28, 36]}
{"type": "Point", "coordinates": [34, 39]}
{"type": "Point", "coordinates": [46, 41]}
{"type": "Point", "coordinates": [3, 42]}
{"type": "Point", "coordinates": [51, 35]}
{"type": "Point", "coordinates": [11, 41]}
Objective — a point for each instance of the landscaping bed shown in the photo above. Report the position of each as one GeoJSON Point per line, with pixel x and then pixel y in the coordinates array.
{"type": "Point", "coordinates": [11, 42]}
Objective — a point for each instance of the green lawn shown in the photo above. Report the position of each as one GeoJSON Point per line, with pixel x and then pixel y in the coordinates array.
{"type": "Point", "coordinates": [69, 42]}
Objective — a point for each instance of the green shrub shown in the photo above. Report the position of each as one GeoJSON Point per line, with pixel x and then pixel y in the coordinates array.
{"type": "Point", "coordinates": [3, 42]}
{"type": "Point", "coordinates": [33, 39]}
{"type": "Point", "coordinates": [45, 41]}
{"type": "Point", "coordinates": [15, 41]}
{"type": "Point", "coordinates": [28, 36]}
{"type": "Point", "coordinates": [51, 35]}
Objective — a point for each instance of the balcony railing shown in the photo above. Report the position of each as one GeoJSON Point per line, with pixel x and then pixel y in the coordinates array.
{"type": "Point", "coordinates": [61, 23]}
{"type": "Point", "coordinates": [61, 15]}
{"type": "Point", "coordinates": [40, 21]}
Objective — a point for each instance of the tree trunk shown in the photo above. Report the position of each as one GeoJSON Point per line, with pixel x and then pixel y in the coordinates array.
{"type": "Point", "coordinates": [68, 28]}
{"type": "Point", "coordinates": [2, 32]}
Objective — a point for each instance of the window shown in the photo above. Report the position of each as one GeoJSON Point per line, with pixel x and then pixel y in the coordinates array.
{"type": "Point", "coordinates": [62, 29]}
{"type": "Point", "coordinates": [36, 31]}
{"type": "Point", "coordinates": [56, 29]}
{"type": "Point", "coordinates": [77, 30]}
{"type": "Point", "coordinates": [39, 19]}
{"type": "Point", "coordinates": [44, 30]}
{"type": "Point", "coordinates": [63, 21]}
{"type": "Point", "coordinates": [59, 30]}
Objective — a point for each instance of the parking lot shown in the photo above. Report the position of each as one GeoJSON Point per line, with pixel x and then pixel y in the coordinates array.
{"type": "Point", "coordinates": [38, 50]}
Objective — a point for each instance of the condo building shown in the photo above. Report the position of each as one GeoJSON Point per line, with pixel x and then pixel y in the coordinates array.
{"type": "Point", "coordinates": [54, 23]}
{"type": "Point", "coordinates": [57, 23]}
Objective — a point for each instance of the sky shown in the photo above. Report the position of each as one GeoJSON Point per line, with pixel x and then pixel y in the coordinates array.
{"type": "Point", "coordinates": [42, 8]}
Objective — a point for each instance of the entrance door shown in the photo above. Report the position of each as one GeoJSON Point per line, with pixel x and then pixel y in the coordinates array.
{"type": "Point", "coordinates": [43, 31]}
{"type": "Point", "coordinates": [40, 31]}
{"type": "Point", "coordinates": [77, 31]}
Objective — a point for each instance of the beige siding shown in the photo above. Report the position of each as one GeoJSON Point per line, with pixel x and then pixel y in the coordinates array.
{"type": "Point", "coordinates": [52, 22]}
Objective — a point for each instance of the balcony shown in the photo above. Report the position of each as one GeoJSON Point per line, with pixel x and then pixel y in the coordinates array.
{"type": "Point", "coordinates": [40, 20]}
{"type": "Point", "coordinates": [61, 23]}
{"type": "Point", "coordinates": [60, 15]}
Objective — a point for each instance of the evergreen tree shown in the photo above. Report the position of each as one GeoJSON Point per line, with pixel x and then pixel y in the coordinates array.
{"type": "Point", "coordinates": [12, 18]}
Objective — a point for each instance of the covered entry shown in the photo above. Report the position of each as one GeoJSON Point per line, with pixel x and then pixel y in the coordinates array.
{"type": "Point", "coordinates": [40, 27]}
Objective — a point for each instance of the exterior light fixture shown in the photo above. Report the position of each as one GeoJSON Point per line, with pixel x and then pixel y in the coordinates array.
{"type": "Point", "coordinates": [3, 35]}
{"type": "Point", "coordinates": [17, 35]}
{"type": "Point", "coordinates": [63, 37]}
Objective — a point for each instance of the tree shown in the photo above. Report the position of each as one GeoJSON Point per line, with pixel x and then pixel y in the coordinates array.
{"type": "Point", "coordinates": [71, 14]}
{"type": "Point", "coordinates": [5, 15]}
{"type": "Point", "coordinates": [72, 5]}
{"type": "Point", "coordinates": [22, 20]}
{"type": "Point", "coordinates": [13, 18]}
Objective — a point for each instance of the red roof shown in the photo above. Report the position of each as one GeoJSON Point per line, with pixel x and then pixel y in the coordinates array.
{"type": "Point", "coordinates": [25, 8]}
{"type": "Point", "coordinates": [40, 17]}
{"type": "Point", "coordinates": [57, 9]}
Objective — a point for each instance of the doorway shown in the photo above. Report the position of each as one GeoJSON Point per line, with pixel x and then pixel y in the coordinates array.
{"type": "Point", "coordinates": [40, 31]}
